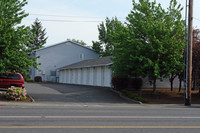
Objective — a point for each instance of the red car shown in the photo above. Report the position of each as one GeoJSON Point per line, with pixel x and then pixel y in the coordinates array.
{"type": "Point", "coordinates": [11, 79]}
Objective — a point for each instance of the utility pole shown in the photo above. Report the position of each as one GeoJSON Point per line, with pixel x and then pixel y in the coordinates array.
{"type": "Point", "coordinates": [189, 51]}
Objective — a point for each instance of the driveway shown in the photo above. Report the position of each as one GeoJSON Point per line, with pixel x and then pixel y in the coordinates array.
{"type": "Point", "coordinates": [49, 92]}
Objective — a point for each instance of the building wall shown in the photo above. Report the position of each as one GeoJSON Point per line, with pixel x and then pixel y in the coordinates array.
{"type": "Point", "coordinates": [102, 76]}
{"type": "Point", "coordinates": [60, 55]}
{"type": "Point", "coordinates": [162, 84]}
{"type": "Point", "coordinates": [94, 76]}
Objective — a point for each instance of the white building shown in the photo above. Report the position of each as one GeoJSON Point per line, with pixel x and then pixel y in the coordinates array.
{"type": "Point", "coordinates": [94, 72]}
{"type": "Point", "coordinates": [72, 63]}
{"type": "Point", "coordinates": [97, 72]}
{"type": "Point", "coordinates": [57, 56]}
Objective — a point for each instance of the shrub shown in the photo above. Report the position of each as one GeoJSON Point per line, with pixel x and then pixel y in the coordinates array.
{"type": "Point", "coordinates": [38, 79]}
{"type": "Point", "coordinates": [120, 82]}
{"type": "Point", "coordinates": [28, 79]}
{"type": "Point", "coordinates": [16, 93]}
{"type": "Point", "coordinates": [136, 83]}
{"type": "Point", "coordinates": [134, 96]}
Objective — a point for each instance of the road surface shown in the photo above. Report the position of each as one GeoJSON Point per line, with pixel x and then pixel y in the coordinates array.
{"type": "Point", "coordinates": [112, 118]}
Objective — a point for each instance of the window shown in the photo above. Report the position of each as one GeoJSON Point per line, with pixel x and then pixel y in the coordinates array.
{"type": "Point", "coordinates": [3, 76]}
{"type": "Point", "coordinates": [10, 76]}
{"type": "Point", "coordinates": [53, 73]}
{"type": "Point", "coordinates": [82, 56]}
{"type": "Point", "coordinates": [13, 76]}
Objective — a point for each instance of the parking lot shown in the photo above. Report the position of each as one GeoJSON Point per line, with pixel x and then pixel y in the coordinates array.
{"type": "Point", "coordinates": [63, 93]}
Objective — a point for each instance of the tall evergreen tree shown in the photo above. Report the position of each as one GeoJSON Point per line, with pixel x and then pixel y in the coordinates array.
{"type": "Point", "coordinates": [38, 34]}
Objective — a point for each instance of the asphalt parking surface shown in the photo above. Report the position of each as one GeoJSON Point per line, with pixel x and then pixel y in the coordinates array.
{"type": "Point", "coordinates": [64, 93]}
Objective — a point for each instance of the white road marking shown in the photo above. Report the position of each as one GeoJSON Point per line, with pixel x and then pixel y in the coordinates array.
{"type": "Point", "coordinates": [99, 127]}
{"type": "Point", "coordinates": [20, 117]}
{"type": "Point", "coordinates": [100, 117]}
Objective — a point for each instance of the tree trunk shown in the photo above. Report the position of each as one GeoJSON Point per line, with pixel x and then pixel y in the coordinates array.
{"type": "Point", "coordinates": [171, 82]}
{"type": "Point", "coordinates": [171, 79]}
{"type": "Point", "coordinates": [140, 92]}
{"type": "Point", "coordinates": [180, 84]}
{"type": "Point", "coordinates": [180, 77]}
{"type": "Point", "coordinates": [154, 86]}
{"type": "Point", "coordinates": [194, 83]}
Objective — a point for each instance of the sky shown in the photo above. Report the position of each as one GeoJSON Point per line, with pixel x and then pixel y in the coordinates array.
{"type": "Point", "coordinates": [79, 19]}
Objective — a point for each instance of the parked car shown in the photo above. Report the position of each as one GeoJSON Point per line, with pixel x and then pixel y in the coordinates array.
{"type": "Point", "coordinates": [11, 79]}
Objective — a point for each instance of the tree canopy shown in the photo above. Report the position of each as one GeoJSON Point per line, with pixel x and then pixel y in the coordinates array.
{"type": "Point", "coordinates": [196, 57]}
{"type": "Point", "coordinates": [38, 34]}
{"type": "Point", "coordinates": [150, 43]}
{"type": "Point", "coordinates": [13, 38]}
{"type": "Point", "coordinates": [78, 41]}
{"type": "Point", "coordinates": [105, 45]}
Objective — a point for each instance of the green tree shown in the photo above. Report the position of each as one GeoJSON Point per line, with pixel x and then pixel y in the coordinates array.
{"type": "Point", "coordinates": [13, 51]}
{"type": "Point", "coordinates": [175, 58]}
{"type": "Point", "coordinates": [152, 44]}
{"type": "Point", "coordinates": [196, 58]}
{"type": "Point", "coordinates": [123, 52]}
{"type": "Point", "coordinates": [38, 34]}
{"type": "Point", "coordinates": [78, 41]}
{"type": "Point", "coordinates": [97, 47]}
{"type": "Point", "coordinates": [105, 45]}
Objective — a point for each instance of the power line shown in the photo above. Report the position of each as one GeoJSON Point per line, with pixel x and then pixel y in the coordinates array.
{"type": "Point", "coordinates": [68, 16]}
{"type": "Point", "coordinates": [196, 19]}
{"type": "Point", "coordinates": [77, 21]}
{"type": "Point", "coordinates": [70, 21]}
{"type": "Point", "coordinates": [64, 16]}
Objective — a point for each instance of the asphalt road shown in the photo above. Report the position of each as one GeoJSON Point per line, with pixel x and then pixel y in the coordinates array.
{"type": "Point", "coordinates": [99, 118]}
{"type": "Point", "coordinates": [80, 109]}
{"type": "Point", "coordinates": [74, 94]}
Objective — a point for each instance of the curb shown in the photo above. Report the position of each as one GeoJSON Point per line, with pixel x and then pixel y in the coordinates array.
{"type": "Point", "coordinates": [33, 100]}
{"type": "Point", "coordinates": [124, 97]}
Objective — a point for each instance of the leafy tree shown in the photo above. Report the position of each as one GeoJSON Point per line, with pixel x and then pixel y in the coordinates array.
{"type": "Point", "coordinates": [151, 43]}
{"type": "Point", "coordinates": [125, 52]}
{"type": "Point", "coordinates": [105, 45]}
{"type": "Point", "coordinates": [181, 78]}
{"type": "Point", "coordinates": [13, 51]}
{"type": "Point", "coordinates": [97, 47]}
{"type": "Point", "coordinates": [195, 60]}
{"type": "Point", "coordinates": [196, 56]}
{"type": "Point", "coordinates": [38, 34]}
{"type": "Point", "coordinates": [176, 25]}
{"type": "Point", "coordinates": [78, 41]}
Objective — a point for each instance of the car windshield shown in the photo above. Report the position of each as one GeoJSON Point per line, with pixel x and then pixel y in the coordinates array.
{"type": "Point", "coordinates": [3, 77]}
{"type": "Point", "coordinates": [9, 76]}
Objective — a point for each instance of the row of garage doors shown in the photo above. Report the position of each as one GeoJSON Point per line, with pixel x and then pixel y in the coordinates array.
{"type": "Point", "coordinates": [94, 76]}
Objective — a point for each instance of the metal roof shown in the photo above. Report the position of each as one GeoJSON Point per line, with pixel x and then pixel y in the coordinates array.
{"type": "Point", "coordinates": [68, 41]}
{"type": "Point", "coordinates": [103, 61]}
